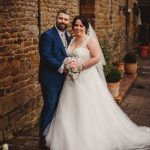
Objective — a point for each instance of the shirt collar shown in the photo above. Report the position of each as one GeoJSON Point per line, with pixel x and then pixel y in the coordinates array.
{"type": "Point", "coordinates": [60, 32]}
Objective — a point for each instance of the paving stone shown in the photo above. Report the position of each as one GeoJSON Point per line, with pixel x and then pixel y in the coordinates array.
{"type": "Point", "coordinates": [137, 101]}
{"type": "Point", "coordinates": [140, 92]}
{"type": "Point", "coordinates": [134, 101]}
{"type": "Point", "coordinates": [140, 120]}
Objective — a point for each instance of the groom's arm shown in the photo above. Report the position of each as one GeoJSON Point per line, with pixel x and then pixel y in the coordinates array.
{"type": "Point", "coordinates": [46, 54]}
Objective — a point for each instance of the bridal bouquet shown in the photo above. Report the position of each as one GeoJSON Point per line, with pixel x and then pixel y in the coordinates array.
{"type": "Point", "coordinates": [73, 66]}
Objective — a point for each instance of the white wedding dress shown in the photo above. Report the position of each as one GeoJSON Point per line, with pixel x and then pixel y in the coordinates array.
{"type": "Point", "coordinates": [88, 118]}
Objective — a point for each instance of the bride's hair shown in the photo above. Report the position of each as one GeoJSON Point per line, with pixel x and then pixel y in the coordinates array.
{"type": "Point", "coordinates": [84, 21]}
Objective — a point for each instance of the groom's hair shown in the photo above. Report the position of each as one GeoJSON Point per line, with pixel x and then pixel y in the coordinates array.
{"type": "Point", "coordinates": [64, 11]}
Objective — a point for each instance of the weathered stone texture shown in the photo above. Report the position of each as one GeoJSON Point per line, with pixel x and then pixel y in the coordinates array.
{"type": "Point", "coordinates": [110, 24]}
{"type": "Point", "coordinates": [49, 9]}
{"type": "Point", "coordinates": [108, 21]}
{"type": "Point", "coordinates": [19, 60]}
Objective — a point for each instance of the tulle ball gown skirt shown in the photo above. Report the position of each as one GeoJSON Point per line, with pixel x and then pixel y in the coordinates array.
{"type": "Point", "coordinates": [88, 118]}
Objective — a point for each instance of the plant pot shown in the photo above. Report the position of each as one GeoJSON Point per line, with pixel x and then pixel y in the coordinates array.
{"type": "Point", "coordinates": [149, 48]}
{"type": "Point", "coordinates": [130, 68]}
{"type": "Point", "coordinates": [120, 67]}
{"type": "Point", "coordinates": [144, 51]}
{"type": "Point", "coordinates": [114, 88]}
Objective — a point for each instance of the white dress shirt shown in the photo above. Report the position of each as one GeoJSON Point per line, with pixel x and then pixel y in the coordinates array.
{"type": "Point", "coordinates": [63, 38]}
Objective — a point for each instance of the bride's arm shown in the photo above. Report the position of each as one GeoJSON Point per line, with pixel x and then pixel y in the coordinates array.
{"type": "Point", "coordinates": [93, 48]}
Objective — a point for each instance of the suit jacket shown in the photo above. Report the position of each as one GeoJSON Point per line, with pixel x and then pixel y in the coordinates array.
{"type": "Point", "coordinates": [52, 54]}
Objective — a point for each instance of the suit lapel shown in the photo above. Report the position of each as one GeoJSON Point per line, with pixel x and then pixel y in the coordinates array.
{"type": "Point", "coordinates": [59, 41]}
{"type": "Point", "coordinates": [68, 37]}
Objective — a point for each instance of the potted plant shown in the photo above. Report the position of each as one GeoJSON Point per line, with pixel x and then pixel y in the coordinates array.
{"type": "Point", "coordinates": [144, 49]}
{"type": "Point", "coordinates": [113, 77]}
{"type": "Point", "coordinates": [106, 50]}
{"type": "Point", "coordinates": [130, 60]}
{"type": "Point", "coordinates": [118, 42]}
{"type": "Point", "coordinates": [120, 64]}
{"type": "Point", "coordinates": [112, 74]}
{"type": "Point", "coordinates": [144, 41]}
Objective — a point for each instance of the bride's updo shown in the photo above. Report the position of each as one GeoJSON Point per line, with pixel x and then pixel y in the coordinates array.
{"type": "Point", "coordinates": [84, 21]}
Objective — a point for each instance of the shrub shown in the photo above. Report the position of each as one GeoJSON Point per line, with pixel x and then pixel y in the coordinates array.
{"type": "Point", "coordinates": [112, 74]}
{"type": "Point", "coordinates": [130, 58]}
{"type": "Point", "coordinates": [106, 50]}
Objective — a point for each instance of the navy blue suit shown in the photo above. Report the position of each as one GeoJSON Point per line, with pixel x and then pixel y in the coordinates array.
{"type": "Point", "coordinates": [52, 53]}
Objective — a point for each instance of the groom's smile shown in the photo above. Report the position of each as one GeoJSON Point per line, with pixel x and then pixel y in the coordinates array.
{"type": "Point", "coordinates": [62, 21]}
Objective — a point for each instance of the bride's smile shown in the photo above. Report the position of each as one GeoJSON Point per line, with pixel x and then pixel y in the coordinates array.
{"type": "Point", "coordinates": [79, 29]}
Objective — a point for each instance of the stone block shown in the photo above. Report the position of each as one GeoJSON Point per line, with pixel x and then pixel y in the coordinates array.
{"type": "Point", "coordinates": [35, 41]}
{"type": "Point", "coordinates": [21, 77]}
{"type": "Point", "coordinates": [16, 115]}
{"type": "Point", "coordinates": [2, 49]}
{"type": "Point", "coordinates": [31, 105]}
{"type": "Point", "coordinates": [33, 30]}
{"type": "Point", "coordinates": [7, 104]}
{"type": "Point", "coordinates": [4, 70]}
{"type": "Point", "coordinates": [2, 92]}
{"type": "Point", "coordinates": [5, 35]}
{"type": "Point", "coordinates": [15, 67]}
{"type": "Point", "coordinates": [7, 134]}
{"type": "Point", "coordinates": [1, 135]}
{"type": "Point", "coordinates": [25, 65]}
{"type": "Point", "coordinates": [3, 122]}
{"type": "Point", "coordinates": [23, 95]}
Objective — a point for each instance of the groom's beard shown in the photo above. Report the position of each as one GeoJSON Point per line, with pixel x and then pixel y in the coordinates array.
{"type": "Point", "coordinates": [61, 26]}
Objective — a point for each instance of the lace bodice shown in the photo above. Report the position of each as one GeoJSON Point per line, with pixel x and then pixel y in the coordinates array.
{"type": "Point", "coordinates": [82, 51]}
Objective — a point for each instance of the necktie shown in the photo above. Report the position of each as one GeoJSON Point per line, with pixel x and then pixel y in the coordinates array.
{"type": "Point", "coordinates": [64, 40]}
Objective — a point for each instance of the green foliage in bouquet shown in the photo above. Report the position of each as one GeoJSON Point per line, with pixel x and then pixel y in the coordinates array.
{"type": "Point", "coordinates": [112, 74]}
{"type": "Point", "coordinates": [130, 58]}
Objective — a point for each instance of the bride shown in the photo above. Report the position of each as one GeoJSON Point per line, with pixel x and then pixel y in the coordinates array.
{"type": "Point", "coordinates": [87, 117]}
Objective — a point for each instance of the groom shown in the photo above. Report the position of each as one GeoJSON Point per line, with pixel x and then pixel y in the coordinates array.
{"type": "Point", "coordinates": [52, 49]}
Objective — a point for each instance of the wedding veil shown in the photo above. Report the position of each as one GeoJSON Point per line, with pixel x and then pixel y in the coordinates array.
{"type": "Point", "coordinates": [102, 61]}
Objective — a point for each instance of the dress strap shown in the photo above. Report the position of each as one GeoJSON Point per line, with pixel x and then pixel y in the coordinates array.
{"type": "Point", "coordinates": [86, 41]}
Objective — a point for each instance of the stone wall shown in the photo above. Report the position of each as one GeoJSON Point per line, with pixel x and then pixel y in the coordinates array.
{"type": "Point", "coordinates": [20, 26]}
{"type": "Point", "coordinates": [110, 25]}
{"type": "Point", "coordinates": [49, 8]}
{"type": "Point", "coordinates": [109, 21]}
{"type": "Point", "coordinates": [19, 92]}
